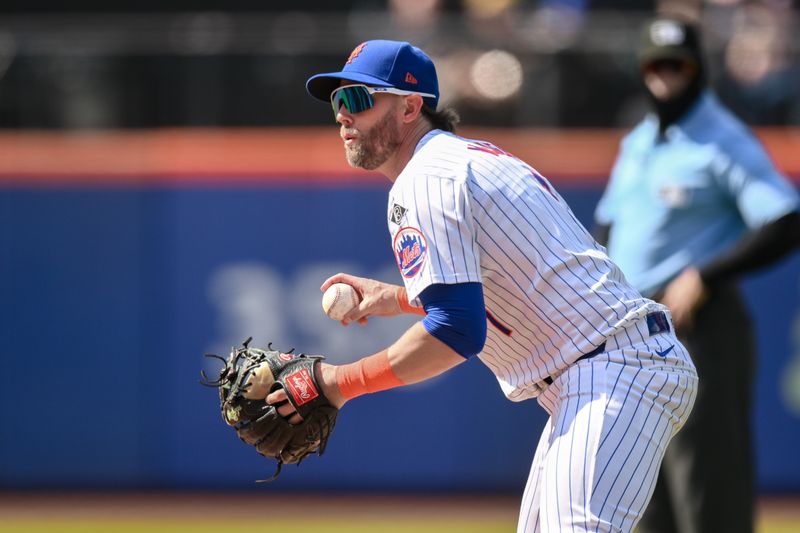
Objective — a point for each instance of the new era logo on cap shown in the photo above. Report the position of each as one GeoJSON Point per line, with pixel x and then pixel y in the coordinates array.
{"type": "Point", "coordinates": [667, 33]}
{"type": "Point", "coordinates": [411, 79]}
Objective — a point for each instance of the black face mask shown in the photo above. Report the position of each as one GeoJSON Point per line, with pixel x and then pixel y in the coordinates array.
{"type": "Point", "coordinates": [670, 111]}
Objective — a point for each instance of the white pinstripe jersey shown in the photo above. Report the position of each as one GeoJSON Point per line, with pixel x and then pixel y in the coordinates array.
{"type": "Point", "coordinates": [465, 211]}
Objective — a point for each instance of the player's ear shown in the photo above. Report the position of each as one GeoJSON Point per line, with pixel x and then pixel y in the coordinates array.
{"type": "Point", "coordinates": [412, 107]}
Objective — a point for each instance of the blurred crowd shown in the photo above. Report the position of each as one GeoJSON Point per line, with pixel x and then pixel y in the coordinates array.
{"type": "Point", "coordinates": [508, 63]}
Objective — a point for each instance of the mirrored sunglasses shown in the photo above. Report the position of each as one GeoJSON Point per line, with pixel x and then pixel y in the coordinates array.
{"type": "Point", "coordinates": [358, 98]}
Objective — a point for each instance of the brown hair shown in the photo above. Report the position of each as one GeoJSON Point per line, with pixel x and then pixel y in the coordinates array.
{"type": "Point", "coordinates": [444, 119]}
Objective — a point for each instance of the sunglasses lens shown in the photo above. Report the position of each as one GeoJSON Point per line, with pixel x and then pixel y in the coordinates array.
{"type": "Point", "coordinates": [355, 99]}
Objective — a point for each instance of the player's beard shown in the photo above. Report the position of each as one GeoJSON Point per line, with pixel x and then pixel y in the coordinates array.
{"type": "Point", "coordinates": [374, 147]}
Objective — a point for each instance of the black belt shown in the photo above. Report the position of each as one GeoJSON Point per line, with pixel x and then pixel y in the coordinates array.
{"type": "Point", "coordinates": [599, 349]}
{"type": "Point", "coordinates": [656, 323]}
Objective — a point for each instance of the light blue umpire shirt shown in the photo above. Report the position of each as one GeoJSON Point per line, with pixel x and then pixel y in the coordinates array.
{"type": "Point", "coordinates": [683, 198]}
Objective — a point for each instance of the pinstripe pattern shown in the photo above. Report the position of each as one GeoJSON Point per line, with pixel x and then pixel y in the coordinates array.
{"type": "Point", "coordinates": [610, 422]}
{"type": "Point", "coordinates": [552, 295]}
{"type": "Point", "coordinates": [489, 217]}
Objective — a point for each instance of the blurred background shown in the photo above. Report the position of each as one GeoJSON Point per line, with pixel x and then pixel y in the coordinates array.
{"type": "Point", "coordinates": [167, 189]}
{"type": "Point", "coordinates": [508, 63]}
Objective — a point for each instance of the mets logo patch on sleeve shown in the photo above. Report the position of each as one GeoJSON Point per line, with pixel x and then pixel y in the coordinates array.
{"type": "Point", "coordinates": [411, 250]}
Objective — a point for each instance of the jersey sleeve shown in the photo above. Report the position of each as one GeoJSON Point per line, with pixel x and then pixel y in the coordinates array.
{"type": "Point", "coordinates": [760, 192]}
{"type": "Point", "coordinates": [433, 233]}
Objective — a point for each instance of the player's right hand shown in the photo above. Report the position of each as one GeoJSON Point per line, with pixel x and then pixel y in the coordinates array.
{"type": "Point", "coordinates": [377, 298]}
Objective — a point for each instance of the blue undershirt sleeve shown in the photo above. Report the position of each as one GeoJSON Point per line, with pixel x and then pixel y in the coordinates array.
{"type": "Point", "coordinates": [456, 315]}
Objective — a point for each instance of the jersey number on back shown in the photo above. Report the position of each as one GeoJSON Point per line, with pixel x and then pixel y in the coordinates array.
{"type": "Point", "coordinates": [489, 148]}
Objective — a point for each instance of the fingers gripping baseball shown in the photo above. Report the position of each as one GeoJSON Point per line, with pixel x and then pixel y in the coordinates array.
{"type": "Point", "coordinates": [377, 298]}
{"type": "Point", "coordinates": [339, 300]}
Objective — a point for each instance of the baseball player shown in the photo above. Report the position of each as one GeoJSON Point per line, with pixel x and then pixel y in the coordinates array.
{"type": "Point", "coordinates": [500, 268]}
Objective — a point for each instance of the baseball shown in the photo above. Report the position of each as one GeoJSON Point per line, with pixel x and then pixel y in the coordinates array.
{"type": "Point", "coordinates": [339, 299]}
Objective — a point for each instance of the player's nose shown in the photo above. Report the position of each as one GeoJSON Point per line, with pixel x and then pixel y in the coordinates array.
{"type": "Point", "coordinates": [343, 117]}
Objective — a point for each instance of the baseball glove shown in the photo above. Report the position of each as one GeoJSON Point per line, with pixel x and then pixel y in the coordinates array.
{"type": "Point", "coordinates": [248, 376]}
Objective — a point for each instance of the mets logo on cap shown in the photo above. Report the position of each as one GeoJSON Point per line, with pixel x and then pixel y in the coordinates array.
{"type": "Point", "coordinates": [355, 53]}
{"type": "Point", "coordinates": [411, 250]}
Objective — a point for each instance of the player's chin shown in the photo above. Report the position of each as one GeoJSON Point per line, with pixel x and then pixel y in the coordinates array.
{"type": "Point", "coordinates": [356, 159]}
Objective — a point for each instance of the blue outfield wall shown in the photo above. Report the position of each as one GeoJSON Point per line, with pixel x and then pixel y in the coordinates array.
{"type": "Point", "coordinates": [111, 296]}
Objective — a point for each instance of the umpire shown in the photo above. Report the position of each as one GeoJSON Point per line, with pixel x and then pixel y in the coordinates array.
{"type": "Point", "coordinates": [692, 204]}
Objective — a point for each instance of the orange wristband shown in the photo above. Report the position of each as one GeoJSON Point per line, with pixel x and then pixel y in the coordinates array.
{"type": "Point", "coordinates": [371, 374]}
{"type": "Point", "coordinates": [402, 300]}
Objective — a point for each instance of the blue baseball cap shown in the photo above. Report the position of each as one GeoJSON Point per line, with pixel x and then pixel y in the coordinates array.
{"type": "Point", "coordinates": [381, 63]}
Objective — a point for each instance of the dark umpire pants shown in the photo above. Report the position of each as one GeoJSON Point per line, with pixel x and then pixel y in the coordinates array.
{"type": "Point", "coordinates": [706, 480]}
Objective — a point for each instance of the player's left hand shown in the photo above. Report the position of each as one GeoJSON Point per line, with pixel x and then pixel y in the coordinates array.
{"type": "Point", "coordinates": [288, 426]}
{"type": "Point", "coordinates": [684, 295]}
{"type": "Point", "coordinates": [326, 378]}
{"type": "Point", "coordinates": [280, 401]}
